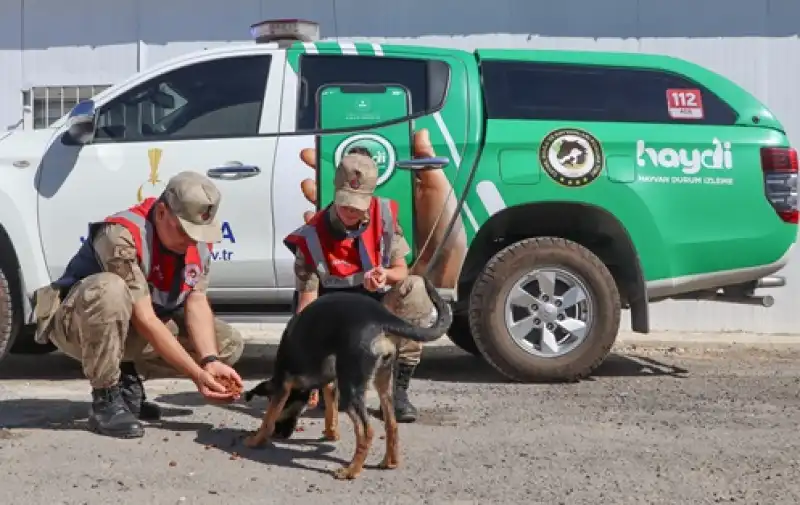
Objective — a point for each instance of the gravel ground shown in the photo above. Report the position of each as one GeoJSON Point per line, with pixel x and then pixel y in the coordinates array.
{"type": "Point", "coordinates": [658, 424]}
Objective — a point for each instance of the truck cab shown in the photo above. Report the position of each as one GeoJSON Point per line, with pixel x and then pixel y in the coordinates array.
{"type": "Point", "coordinates": [556, 188]}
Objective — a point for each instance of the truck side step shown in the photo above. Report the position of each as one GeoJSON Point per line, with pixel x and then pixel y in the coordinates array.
{"type": "Point", "coordinates": [253, 317]}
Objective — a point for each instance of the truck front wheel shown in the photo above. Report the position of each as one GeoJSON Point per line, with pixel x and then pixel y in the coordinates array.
{"type": "Point", "coordinates": [545, 309]}
{"type": "Point", "coordinates": [9, 319]}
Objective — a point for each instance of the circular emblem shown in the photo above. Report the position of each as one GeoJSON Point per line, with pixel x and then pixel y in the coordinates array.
{"type": "Point", "coordinates": [207, 214]}
{"type": "Point", "coordinates": [380, 149]}
{"type": "Point", "coordinates": [571, 157]}
{"type": "Point", "coordinates": [191, 274]}
{"type": "Point", "coordinates": [355, 183]}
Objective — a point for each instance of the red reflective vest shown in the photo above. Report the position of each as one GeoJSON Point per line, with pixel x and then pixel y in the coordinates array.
{"type": "Point", "coordinates": [339, 263]}
{"type": "Point", "coordinates": [162, 269]}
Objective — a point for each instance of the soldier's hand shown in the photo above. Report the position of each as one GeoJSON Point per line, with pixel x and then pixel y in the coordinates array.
{"type": "Point", "coordinates": [432, 193]}
{"type": "Point", "coordinates": [372, 280]}
{"type": "Point", "coordinates": [222, 371]}
{"type": "Point", "coordinates": [208, 386]}
{"type": "Point", "coordinates": [379, 276]}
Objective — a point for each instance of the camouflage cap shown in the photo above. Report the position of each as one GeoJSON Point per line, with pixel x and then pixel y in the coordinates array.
{"type": "Point", "coordinates": [195, 199]}
{"type": "Point", "coordinates": [355, 181]}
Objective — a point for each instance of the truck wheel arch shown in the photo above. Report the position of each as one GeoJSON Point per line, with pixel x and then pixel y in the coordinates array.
{"type": "Point", "coordinates": [11, 310]}
{"type": "Point", "coordinates": [14, 336]}
{"type": "Point", "coordinates": [575, 221]}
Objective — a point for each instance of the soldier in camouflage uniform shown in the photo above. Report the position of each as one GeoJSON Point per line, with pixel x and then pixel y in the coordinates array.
{"type": "Point", "coordinates": [132, 302]}
{"type": "Point", "coordinates": [356, 244]}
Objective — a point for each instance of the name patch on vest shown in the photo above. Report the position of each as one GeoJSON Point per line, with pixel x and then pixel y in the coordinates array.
{"type": "Point", "coordinates": [191, 274]}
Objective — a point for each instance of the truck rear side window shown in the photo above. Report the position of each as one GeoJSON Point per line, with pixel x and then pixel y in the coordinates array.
{"type": "Point", "coordinates": [555, 91]}
{"type": "Point", "coordinates": [426, 79]}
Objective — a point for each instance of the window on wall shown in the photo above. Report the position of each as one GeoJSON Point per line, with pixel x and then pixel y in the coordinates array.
{"type": "Point", "coordinates": [557, 91]}
{"type": "Point", "coordinates": [426, 79]}
{"type": "Point", "coordinates": [48, 103]}
{"type": "Point", "coordinates": [211, 99]}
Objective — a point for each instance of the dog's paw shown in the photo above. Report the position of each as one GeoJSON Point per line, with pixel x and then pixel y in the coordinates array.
{"type": "Point", "coordinates": [345, 473]}
{"type": "Point", "coordinates": [330, 435]}
{"type": "Point", "coordinates": [388, 464]}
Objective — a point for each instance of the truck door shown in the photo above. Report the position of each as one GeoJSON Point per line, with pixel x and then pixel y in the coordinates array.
{"type": "Point", "coordinates": [193, 116]}
{"type": "Point", "coordinates": [439, 123]}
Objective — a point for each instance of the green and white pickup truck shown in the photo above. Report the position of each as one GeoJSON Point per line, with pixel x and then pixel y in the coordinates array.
{"type": "Point", "coordinates": [565, 186]}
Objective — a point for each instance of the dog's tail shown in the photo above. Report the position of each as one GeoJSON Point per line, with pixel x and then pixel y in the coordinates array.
{"type": "Point", "coordinates": [444, 319]}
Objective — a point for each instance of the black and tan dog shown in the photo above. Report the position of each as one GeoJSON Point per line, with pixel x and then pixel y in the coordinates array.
{"type": "Point", "coordinates": [339, 343]}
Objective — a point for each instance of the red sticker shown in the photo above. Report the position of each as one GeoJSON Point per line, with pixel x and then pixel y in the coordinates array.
{"type": "Point", "coordinates": [685, 103]}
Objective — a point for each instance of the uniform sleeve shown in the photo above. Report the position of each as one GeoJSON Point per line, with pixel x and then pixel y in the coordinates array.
{"type": "Point", "coordinates": [116, 252]}
{"type": "Point", "coordinates": [399, 247]}
{"type": "Point", "coordinates": [306, 279]}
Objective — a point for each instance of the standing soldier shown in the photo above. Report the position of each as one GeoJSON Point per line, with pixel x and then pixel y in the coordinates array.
{"type": "Point", "coordinates": [356, 244]}
{"type": "Point", "coordinates": [140, 278]}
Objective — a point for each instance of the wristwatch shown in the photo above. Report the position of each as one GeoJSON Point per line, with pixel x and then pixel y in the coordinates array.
{"type": "Point", "coordinates": [208, 359]}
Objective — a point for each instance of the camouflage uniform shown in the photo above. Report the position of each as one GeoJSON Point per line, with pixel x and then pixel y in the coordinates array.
{"type": "Point", "coordinates": [407, 299]}
{"type": "Point", "coordinates": [91, 323]}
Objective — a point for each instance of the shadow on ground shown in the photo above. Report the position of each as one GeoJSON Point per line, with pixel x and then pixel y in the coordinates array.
{"type": "Point", "coordinates": [61, 414]}
{"type": "Point", "coordinates": [440, 364]}
{"type": "Point", "coordinates": [282, 453]}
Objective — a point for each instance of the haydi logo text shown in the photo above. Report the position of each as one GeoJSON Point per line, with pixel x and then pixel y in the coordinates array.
{"type": "Point", "coordinates": [719, 157]}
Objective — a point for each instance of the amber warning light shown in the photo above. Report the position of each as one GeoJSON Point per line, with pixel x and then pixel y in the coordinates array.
{"type": "Point", "coordinates": [285, 29]}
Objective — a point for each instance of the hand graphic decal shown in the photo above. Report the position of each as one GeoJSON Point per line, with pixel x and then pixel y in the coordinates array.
{"type": "Point", "coordinates": [434, 205]}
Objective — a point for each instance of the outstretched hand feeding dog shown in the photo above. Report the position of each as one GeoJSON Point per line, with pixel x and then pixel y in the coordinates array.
{"type": "Point", "coordinates": [338, 343]}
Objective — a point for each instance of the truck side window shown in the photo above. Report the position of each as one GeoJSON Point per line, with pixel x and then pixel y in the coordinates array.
{"type": "Point", "coordinates": [426, 79]}
{"type": "Point", "coordinates": [211, 99]}
{"type": "Point", "coordinates": [555, 91]}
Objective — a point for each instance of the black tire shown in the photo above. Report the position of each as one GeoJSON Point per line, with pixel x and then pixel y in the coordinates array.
{"type": "Point", "coordinates": [487, 308]}
{"type": "Point", "coordinates": [461, 335]}
{"type": "Point", "coordinates": [10, 320]}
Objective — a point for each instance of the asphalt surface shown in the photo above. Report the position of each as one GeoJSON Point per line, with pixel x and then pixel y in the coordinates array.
{"type": "Point", "coordinates": [658, 424]}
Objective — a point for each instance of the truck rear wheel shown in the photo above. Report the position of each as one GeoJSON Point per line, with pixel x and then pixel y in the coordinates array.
{"type": "Point", "coordinates": [545, 309]}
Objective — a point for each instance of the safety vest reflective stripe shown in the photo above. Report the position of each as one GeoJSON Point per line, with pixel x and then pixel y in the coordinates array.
{"type": "Point", "coordinates": [309, 233]}
{"type": "Point", "coordinates": [388, 231]}
{"type": "Point", "coordinates": [161, 298]}
{"type": "Point", "coordinates": [204, 252]}
{"type": "Point", "coordinates": [146, 231]}
{"type": "Point", "coordinates": [145, 237]}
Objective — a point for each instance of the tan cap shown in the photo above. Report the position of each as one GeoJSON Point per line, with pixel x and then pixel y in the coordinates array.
{"type": "Point", "coordinates": [195, 199]}
{"type": "Point", "coordinates": [355, 181]}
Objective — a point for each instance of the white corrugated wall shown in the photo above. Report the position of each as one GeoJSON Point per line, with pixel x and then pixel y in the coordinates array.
{"type": "Point", "coordinates": [753, 42]}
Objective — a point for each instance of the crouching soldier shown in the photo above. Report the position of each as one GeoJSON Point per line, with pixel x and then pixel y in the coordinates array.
{"type": "Point", "coordinates": [356, 244]}
{"type": "Point", "coordinates": [132, 304]}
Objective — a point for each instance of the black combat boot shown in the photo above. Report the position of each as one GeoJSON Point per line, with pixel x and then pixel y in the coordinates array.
{"type": "Point", "coordinates": [110, 415]}
{"type": "Point", "coordinates": [132, 389]}
{"type": "Point", "coordinates": [404, 410]}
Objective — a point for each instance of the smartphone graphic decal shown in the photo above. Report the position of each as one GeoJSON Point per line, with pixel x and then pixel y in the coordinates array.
{"type": "Point", "coordinates": [353, 105]}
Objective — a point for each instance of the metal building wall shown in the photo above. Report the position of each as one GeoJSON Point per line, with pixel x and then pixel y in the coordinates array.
{"type": "Point", "coordinates": [10, 63]}
{"type": "Point", "coordinates": [752, 42]}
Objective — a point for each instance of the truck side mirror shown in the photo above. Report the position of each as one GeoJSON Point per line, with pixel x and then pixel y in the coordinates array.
{"type": "Point", "coordinates": [81, 122]}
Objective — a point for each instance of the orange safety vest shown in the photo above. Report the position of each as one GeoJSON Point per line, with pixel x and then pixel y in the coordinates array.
{"type": "Point", "coordinates": [169, 285]}
{"type": "Point", "coordinates": [338, 263]}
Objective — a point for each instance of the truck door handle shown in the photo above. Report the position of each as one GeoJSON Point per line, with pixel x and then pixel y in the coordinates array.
{"type": "Point", "coordinates": [424, 163]}
{"type": "Point", "coordinates": [234, 171]}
